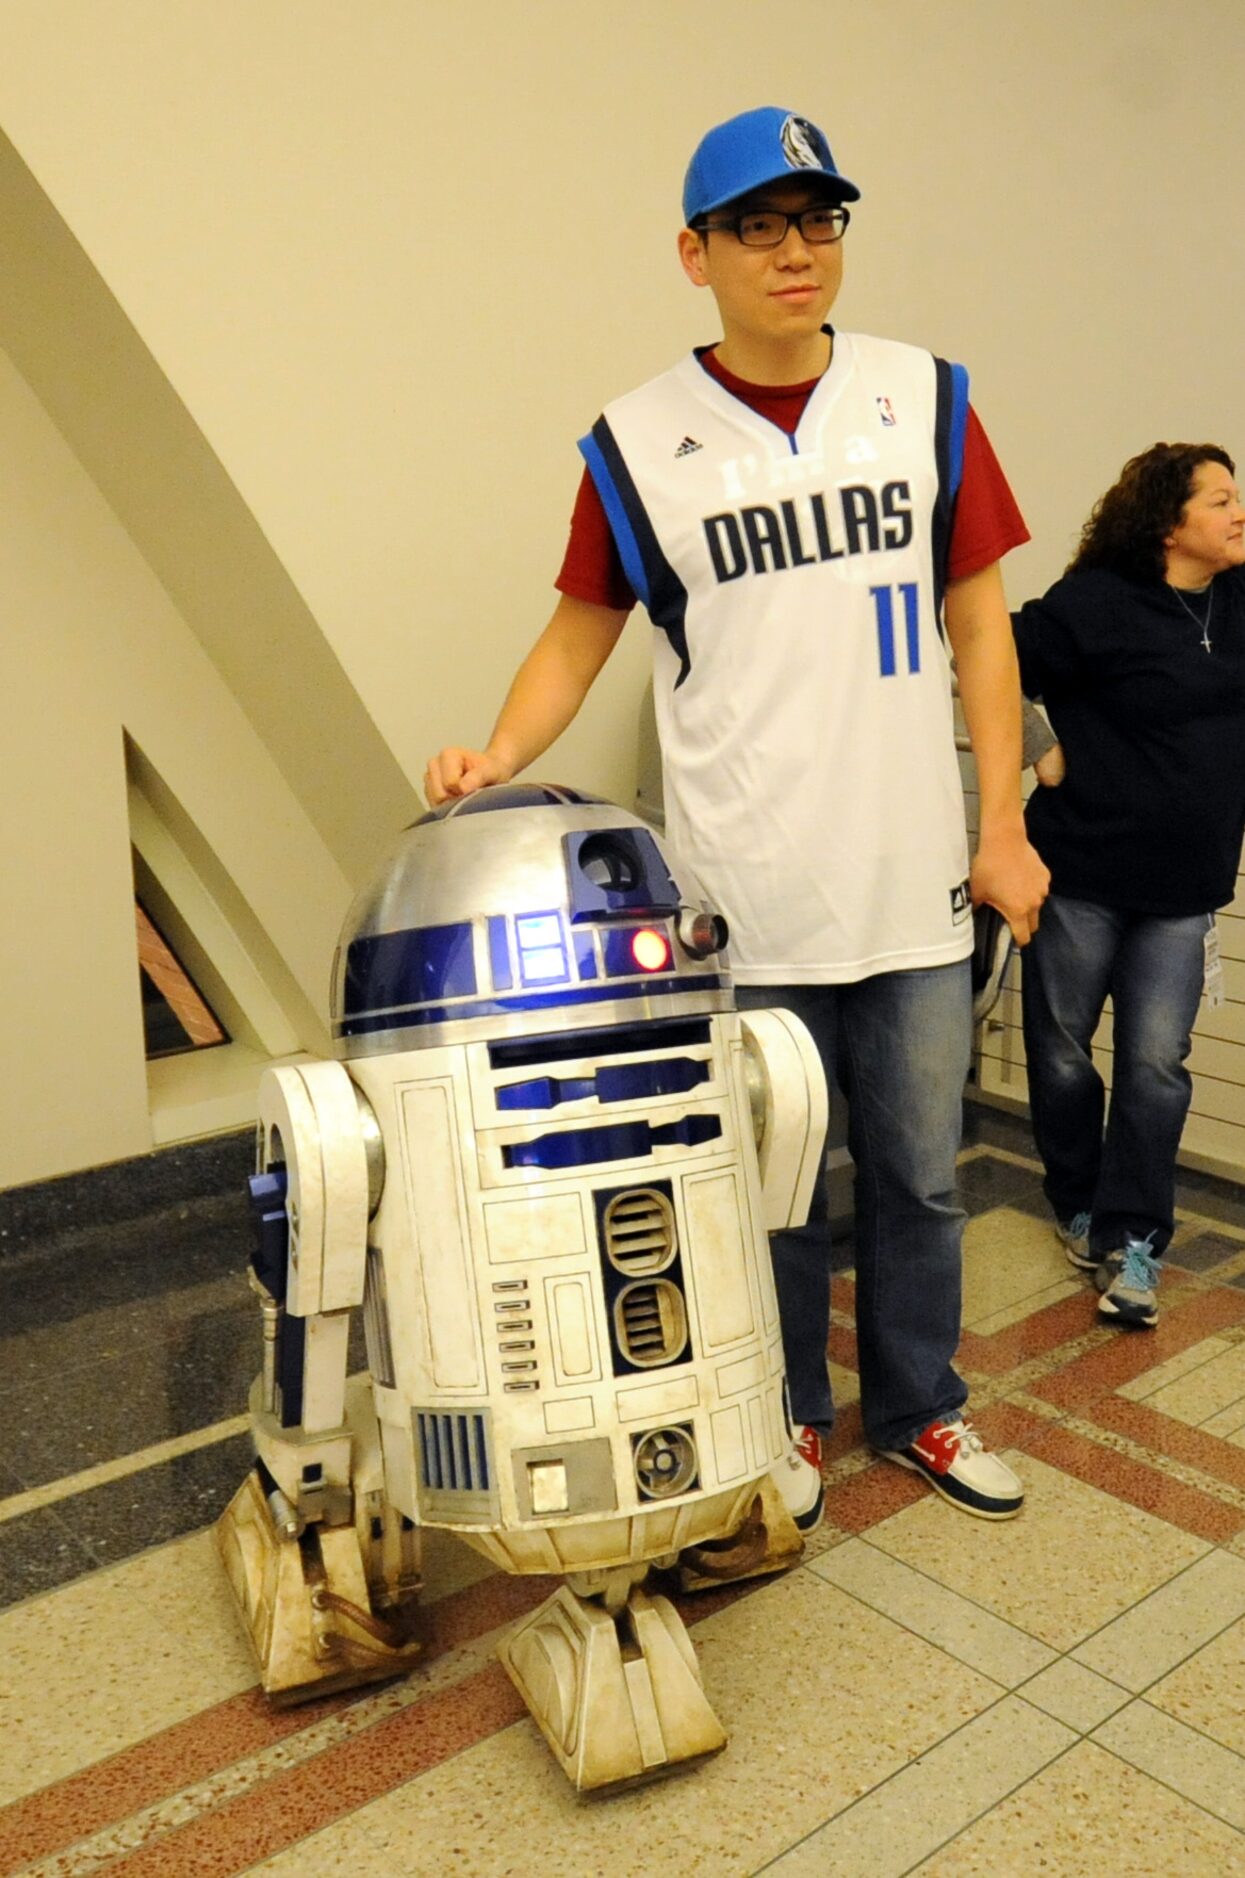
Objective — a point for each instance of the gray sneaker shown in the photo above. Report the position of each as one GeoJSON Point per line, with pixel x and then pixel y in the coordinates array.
{"type": "Point", "coordinates": [1073, 1235]}
{"type": "Point", "coordinates": [1129, 1282]}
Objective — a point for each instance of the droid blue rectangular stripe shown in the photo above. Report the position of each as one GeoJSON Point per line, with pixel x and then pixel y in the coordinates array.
{"type": "Point", "coordinates": [499, 953]}
{"type": "Point", "coordinates": [419, 1015]}
{"type": "Point", "coordinates": [410, 966]}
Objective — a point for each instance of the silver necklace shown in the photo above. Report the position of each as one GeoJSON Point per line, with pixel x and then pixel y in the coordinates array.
{"type": "Point", "coordinates": [1203, 623]}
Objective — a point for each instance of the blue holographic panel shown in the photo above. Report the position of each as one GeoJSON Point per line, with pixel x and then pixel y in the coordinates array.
{"type": "Point", "coordinates": [411, 967]}
{"type": "Point", "coordinates": [624, 1141]}
{"type": "Point", "coordinates": [542, 949]}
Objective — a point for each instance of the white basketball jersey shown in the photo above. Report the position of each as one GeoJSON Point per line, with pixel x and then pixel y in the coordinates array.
{"type": "Point", "coordinates": [802, 687]}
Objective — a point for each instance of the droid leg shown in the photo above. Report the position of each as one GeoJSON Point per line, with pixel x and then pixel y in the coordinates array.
{"type": "Point", "coordinates": [329, 1603]}
{"type": "Point", "coordinates": [612, 1681]}
{"type": "Point", "coordinates": [325, 1569]}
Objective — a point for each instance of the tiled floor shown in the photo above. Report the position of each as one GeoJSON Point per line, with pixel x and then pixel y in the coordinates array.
{"type": "Point", "coordinates": [1061, 1694]}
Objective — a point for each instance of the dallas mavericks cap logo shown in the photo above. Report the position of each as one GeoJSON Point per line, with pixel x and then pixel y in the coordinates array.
{"type": "Point", "coordinates": [753, 149]}
{"type": "Point", "coordinates": [804, 146]}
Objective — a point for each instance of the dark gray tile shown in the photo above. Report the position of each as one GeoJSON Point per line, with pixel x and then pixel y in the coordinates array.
{"type": "Point", "coordinates": [1205, 1252]}
{"type": "Point", "coordinates": [34, 1215]}
{"type": "Point", "coordinates": [53, 1350]}
{"type": "Point", "coordinates": [1211, 1197]}
{"type": "Point", "coordinates": [986, 1182]}
{"type": "Point", "coordinates": [161, 1503]}
{"type": "Point", "coordinates": [38, 1553]}
{"type": "Point", "coordinates": [995, 1128]}
{"type": "Point", "coordinates": [129, 1264]}
{"type": "Point", "coordinates": [191, 1375]}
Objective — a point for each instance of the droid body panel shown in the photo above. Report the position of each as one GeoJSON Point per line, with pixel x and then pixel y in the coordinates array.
{"type": "Point", "coordinates": [535, 1168]}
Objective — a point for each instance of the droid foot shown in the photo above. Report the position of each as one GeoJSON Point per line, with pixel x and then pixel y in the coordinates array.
{"type": "Point", "coordinates": [618, 1699]}
{"type": "Point", "coordinates": [768, 1541]}
{"type": "Point", "coordinates": [306, 1604]}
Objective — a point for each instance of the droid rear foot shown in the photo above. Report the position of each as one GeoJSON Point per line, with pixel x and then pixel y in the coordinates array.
{"type": "Point", "coordinates": [768, 1541]}
{"type": "Point", "coordinates": [306, 1603]}
{"type": "Point", "coordinates": [617, 1696]}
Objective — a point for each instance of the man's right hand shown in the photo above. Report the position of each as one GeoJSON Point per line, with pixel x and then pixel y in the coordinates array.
{"type": "Point", "coordinates": [457, 772]}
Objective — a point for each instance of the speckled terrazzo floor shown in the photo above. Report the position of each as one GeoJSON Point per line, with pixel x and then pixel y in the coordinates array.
{"type": "Point", "coordinates": [1062, 1694]}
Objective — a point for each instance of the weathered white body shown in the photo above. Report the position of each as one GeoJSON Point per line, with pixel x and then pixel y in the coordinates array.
{"type": "Point", "coordinates": [554, 1218]}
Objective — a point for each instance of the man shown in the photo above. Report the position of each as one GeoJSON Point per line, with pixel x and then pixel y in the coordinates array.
{"type": "Point", "coordinates": [796, 508]}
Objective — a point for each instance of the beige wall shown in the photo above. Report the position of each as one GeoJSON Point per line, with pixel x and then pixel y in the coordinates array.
{"type": "Point", "coordinates": [363, 272]}
{"type": "Point", "coordinates": [92, 647]}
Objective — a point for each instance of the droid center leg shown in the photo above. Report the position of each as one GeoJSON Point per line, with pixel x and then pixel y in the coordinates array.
{"type": "Point", "coordinates": [611, 1678]}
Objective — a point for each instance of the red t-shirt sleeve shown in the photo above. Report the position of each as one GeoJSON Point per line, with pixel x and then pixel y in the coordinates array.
{"type": "Point", "coordinates": [987, 522]}
{"type": "Point", "coordinates": [592, 568]}
{"type": "Point", "coordinates": [986, 526]}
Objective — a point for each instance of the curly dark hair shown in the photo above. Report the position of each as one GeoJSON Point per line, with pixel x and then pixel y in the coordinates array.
{"type": "Point", "coordinates": [1129, 525]}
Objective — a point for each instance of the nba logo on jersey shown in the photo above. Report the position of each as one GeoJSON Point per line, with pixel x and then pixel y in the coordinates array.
{"type": "Point", "coordinates": [884, 412]}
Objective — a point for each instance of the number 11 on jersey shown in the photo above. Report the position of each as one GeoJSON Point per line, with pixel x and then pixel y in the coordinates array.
{"type": "Point", "coordinates": [884, 607]}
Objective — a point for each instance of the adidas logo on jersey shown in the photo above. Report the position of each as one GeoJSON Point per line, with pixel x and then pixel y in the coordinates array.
{"type": "Point", "coordinates": [687, 446]}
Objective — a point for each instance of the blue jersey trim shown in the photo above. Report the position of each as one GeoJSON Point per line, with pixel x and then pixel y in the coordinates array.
{"type": "Point", "coordinates": [419, 1015]}
{"type": "Point", "coordinates": [656, 584]}
{"type": "Point", "coordinates": [959, 425]}
{"type": "Point", "coordinates": [950, 428]}
{"type": "Point", "coordinates": [617, 517]}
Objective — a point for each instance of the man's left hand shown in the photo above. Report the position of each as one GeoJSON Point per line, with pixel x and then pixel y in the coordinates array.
{"type": "Point", "coordinates": [1011, 875]}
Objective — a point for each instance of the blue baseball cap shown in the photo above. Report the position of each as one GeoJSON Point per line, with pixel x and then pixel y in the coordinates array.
{"type": "Point", "coordinates": [755, 148]}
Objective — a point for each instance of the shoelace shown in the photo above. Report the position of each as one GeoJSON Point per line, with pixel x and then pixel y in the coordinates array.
{"type": "Point", "coordinates": [1078, 1226]}
{"type": "Point", "coordinates": [970, 1441]}
{"type": "Point", "coordinates": [1139, 1271]}
{"type": "Point", "coordinates": [966, 1435]}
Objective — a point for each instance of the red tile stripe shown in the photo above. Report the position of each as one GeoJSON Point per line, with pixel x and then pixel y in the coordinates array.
{"type": "Point", "coordinates": [1137, 1484]}
{"type": "Point", "coordinates": [1128, 1354]}
{"type": "Point", "coordinates": [304, 1799]}
{"type": "Point", "coordinates": [1172, 1439]}
{"type": "Point", "coordinates": [113, 1791]}
{"type": "Point", "coordinates": [192, 1750]}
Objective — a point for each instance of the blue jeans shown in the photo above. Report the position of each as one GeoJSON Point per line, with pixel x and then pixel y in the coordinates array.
{"type": "Point", "coordinates": [898, 1047]}
{"type": "Point", "coordinates": [1123, 1177]}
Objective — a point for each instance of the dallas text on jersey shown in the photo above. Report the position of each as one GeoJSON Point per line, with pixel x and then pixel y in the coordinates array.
{"type": "Point", "coordinates": [800, 531]}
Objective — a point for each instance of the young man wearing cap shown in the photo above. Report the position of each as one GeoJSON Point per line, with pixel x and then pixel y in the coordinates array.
{"type": "Point", "coordinates": [799, 510]}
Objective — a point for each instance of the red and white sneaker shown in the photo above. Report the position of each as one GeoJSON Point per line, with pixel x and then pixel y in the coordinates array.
{"type": "Point", "coordinates": [956, 1463]}
{"type": "Point", "coordinates": [798, 1478]}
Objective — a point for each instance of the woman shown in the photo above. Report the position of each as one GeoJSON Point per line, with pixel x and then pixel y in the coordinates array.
{"type": "Point", "coordinates": [1138, 654]}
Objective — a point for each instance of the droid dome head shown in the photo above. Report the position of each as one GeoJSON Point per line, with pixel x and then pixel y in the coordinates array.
{"type": "Point", "coordinates": [522, 909]}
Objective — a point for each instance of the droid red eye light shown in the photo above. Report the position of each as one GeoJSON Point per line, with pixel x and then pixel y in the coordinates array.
{"type": "Point", "coordinates": [650, 949]}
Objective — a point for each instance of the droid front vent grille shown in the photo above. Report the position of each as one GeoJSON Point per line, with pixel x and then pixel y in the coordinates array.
{"type": "Point", "coordinates": [664, 1462]}
{"type": "Point", "coordinates": [650, 1322]}
{"type": "Point", "coordinates": [639, 1231]}
{"type": "Point", "coordinates": [453, 1452]}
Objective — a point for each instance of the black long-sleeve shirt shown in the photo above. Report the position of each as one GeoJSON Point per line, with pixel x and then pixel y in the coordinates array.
{"type": "Point", "coordinates": [1152, 811]}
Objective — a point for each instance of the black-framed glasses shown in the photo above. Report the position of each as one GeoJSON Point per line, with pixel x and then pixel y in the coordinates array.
{"type": "Point", "coordinates": [767, 228]}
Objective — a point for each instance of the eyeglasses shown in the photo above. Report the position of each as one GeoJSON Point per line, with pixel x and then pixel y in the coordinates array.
{"type": "Point", "coordinates": [767, 228]}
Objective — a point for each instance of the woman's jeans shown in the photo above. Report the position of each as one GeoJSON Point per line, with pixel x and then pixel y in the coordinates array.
{"type": "Point", "coordinates": [898, 1046]}
{"type": "Point", "coordinates": [1152, 968]}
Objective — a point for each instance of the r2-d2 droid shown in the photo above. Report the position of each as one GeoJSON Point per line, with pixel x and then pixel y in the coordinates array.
{"type": "Point", "coordinates": [544, 1168]}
